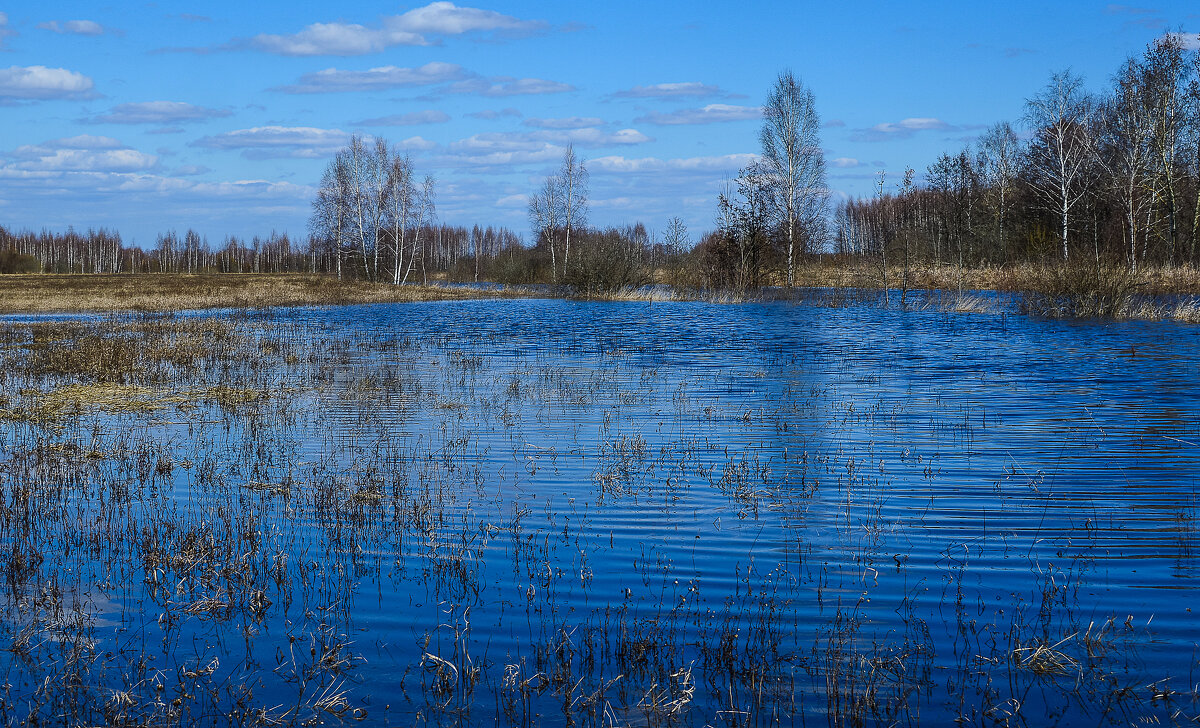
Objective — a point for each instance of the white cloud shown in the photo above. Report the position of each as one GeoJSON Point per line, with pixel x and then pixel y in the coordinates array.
{"type": "Point", "coordinates": [539, 141]}
{"type": "Point", "coordinates": [445, 18]}
{"type": "Point", "coordinates": [616, 203]}
{"type": "Point", "coordinates": [654, 165]}
{"type": "Point", "coordinates": [709, 114]}
{"type": "Point", "coordinates": [40, 83]}
{"type": "Point", "coordinates": [412, 118]}
{"type": "Point", "coordinates": [417, 143]}
{"type": "Point", "coordinates": [687, 89]}
{"type": "Point", "coordinates": [503, 159]}
{"type": "Point", "coordinates": [158, 112]}
{"type": "Point", "coordinates": [83, 153]}
{"type": "Point", "coordinates": [845, 162]}
{"type": "Point", "coordinates": [458, 80]}
{"type": "Point", "coordinates": [75, 27]}
{"type": "Point", "coordinates": [384, 77]}
{"type": "Point", "coordinates": [410, 29]}
{"type": "Point", "coordinates": [514, 201]}
{"type": "Point", "coordinates": [903, 129]}
{"type": "Point", "coordinates": [570, 122]}
{"type": "Point", "coordinates": [267, 142]}
{"type": "Point", "coordinates": [335, 39]}
{"type": "Point", "coordinates": [498, 86]}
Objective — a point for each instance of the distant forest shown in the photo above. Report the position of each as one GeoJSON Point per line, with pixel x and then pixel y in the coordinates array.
{"type": "Point", "coordinates": [1083, 179]}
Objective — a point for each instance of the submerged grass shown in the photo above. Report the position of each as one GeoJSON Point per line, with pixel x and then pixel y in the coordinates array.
{"type": "Point", "coordinates": [310, 473]}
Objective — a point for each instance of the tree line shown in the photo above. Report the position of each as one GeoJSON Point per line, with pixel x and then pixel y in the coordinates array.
{"type": "Point", "coordinates": [1104, 179]}
{"type": "Point", "coordinates": [448, 250]}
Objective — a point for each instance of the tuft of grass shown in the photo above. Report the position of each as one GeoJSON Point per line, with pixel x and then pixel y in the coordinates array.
{"type": "Point", "coordinates": [55, 405]}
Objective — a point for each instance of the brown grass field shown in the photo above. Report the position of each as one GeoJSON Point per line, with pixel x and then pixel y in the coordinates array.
{"type": "Point", "coordinates": [46, 293]}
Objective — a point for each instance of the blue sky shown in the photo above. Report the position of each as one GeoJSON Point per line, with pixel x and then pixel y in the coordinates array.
{"type": "Point", "coordinates": [220, 116]}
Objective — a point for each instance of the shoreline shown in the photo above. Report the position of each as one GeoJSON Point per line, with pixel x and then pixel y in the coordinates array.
{"type": "Point", "coordinates": [1134, 296]}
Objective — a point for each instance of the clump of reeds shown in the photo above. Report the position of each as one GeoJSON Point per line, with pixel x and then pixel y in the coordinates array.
{"type": "Point", "coordinates": [1082, 291]}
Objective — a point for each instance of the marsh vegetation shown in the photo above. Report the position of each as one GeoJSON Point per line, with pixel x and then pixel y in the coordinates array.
{"type": "Point", "coordinates": [602, 514]}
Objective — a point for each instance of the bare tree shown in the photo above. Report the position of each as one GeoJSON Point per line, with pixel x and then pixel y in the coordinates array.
{"type": "Point", "coordinates": [676, 235]}
{"type": "Point", "coordinates": [573, 184]}
{"type": "Point", "coordinates": [545, 216]}
{"type": "Point", "coordinates": [1059, 156]}
{"type": "Point", "coordinates": [400, 199]}
{"type": "Point", "coordinates": [793, 163]}
{"type": "Point", "coordinates": [1126, 152]}
{"type": "Point", "coordinates": [1164, 78]}
{"type": "Point", "coordinates": [999, 163]}
{"type": "Point", "coordinates": [426, 214]}
{"type": "Point", "coordinates": [366, 178]}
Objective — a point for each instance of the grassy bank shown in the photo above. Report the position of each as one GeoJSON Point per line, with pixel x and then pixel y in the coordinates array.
{"type": "Point", "coordinates": [45, 293]}
{"type": "Point", "coordinates": [1014, 278]}
{"type": "Point", "coordinates": [1050, 290]}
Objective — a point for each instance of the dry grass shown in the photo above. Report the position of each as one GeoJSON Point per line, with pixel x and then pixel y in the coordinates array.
{"type": "Point", "coordinates": [45, 293]}
{"type": "Point", "coordinates": [1016, 277]}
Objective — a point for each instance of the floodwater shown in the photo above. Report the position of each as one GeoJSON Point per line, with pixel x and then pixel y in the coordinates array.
{"type": "Point", "coordinates": [542, 512]}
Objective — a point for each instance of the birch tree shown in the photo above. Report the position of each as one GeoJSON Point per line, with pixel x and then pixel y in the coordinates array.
{"type": "Point", "coordinates": [1164, 77]}
{"type": "Point", "coordinates": [1126, 150]}
{"type": "Point", "coordinates": [794, 164]}
{"type": "Point", "coordinates": [400, 203]}
{"type": "Point", "coordinates": [545, 217]}
{"type": "Point", "coordinates": [999, 164]}
{"type": "Point", "coordinates": [1059, 156]}
{"type": "Point", "coordinates": [573, 184]}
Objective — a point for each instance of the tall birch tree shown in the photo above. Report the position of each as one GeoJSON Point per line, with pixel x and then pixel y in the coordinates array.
{"type": "Point", "coordinates": [793, 164]}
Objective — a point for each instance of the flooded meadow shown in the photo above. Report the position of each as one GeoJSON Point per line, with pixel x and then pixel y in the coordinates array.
{"type": "Point", "coordinates": [549, 512]}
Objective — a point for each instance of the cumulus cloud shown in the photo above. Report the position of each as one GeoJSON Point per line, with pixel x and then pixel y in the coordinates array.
{"type": "Point", "coordinates": [445, 18]}
{"type": "Point", "coordinates": [157, 112]}
{"type": "Point", "coordinates": [269, 142]}
{"type": "Point", "coordinates": [681, 90]}
{"type": "Point", "coordinates": [83, 153]}
{"type": "Point", "coordinates": [413, 28]}
{"type": "Point", "coordinates": [74, 27]}
{"type": "Point", "coordinates": [570, 122]}
{"type": "Point", "coordinates": [42, 83]}
{"type": "Point", "coordinates": [384, 77]}
{"type": "Point", "coordinates": [845, 162]}
{"type": "Point", "coordinates": [904, 129]}
{"type": "Point", "coordinates": [709, 114]}
{"type": "Point", "coordinates": [413, 118]}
